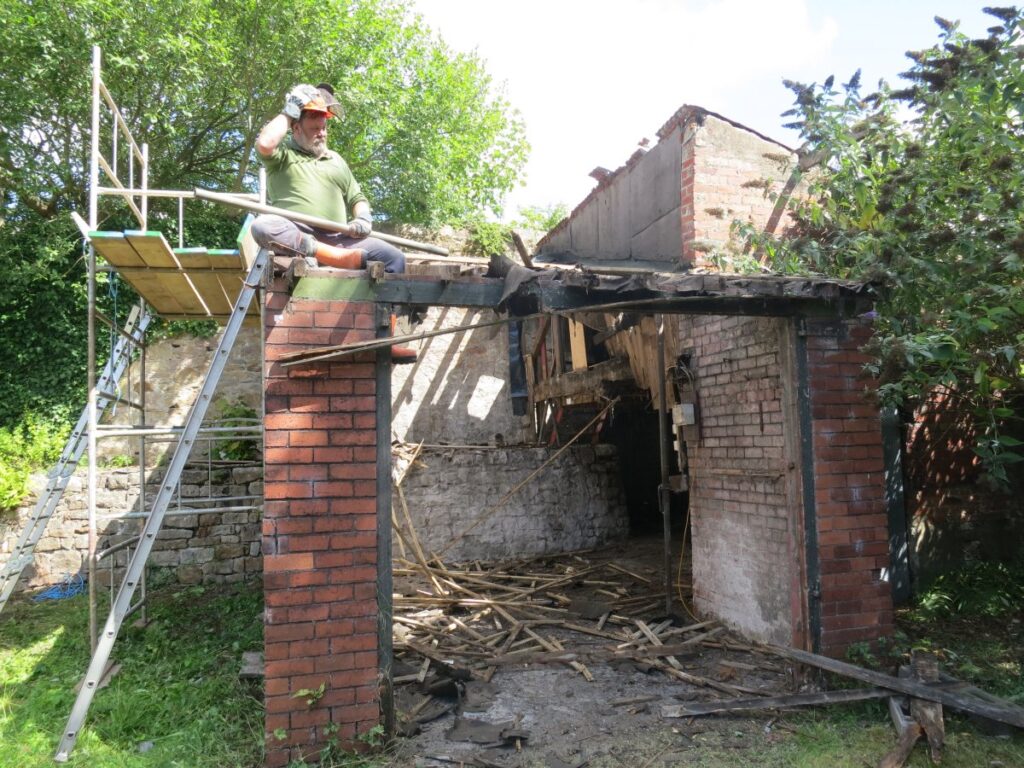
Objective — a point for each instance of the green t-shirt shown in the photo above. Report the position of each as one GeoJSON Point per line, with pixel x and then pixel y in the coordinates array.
{"type": "Point", "coordinates": [297, 181]}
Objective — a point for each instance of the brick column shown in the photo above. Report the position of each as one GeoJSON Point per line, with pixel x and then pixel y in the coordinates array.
{"type": "Point", "coordinates": [687, 209]}
{"type": "Point", "coordinates": [319, 528]}
{"type": "Point", "coordinates": [849, 492]}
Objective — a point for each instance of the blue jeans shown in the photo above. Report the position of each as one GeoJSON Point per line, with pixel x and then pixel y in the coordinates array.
{"type": "Point", "coordinates": [269, 229]}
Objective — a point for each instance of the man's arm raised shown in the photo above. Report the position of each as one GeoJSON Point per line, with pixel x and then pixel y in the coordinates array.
{"type": "Point", "coordinates": [272, 135]}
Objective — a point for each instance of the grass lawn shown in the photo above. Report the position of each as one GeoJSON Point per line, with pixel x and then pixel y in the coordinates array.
{"type": "Point", "coordinates": [177, 701]}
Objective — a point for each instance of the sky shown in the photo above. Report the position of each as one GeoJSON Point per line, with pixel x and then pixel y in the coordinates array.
{"type": "Point", "coordinates": [591, 78]}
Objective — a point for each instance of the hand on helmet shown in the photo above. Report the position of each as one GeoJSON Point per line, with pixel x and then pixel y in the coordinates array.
{"type": "Point", "coordinates": [297, 99]}
{"type": "Point", "coordinates": [360, 227]}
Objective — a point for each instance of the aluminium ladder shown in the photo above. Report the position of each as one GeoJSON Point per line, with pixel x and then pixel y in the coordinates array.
{"type": "Point", "coordinates": [121, 605]}
{"type": "Point", "coordinates": [59, 475]}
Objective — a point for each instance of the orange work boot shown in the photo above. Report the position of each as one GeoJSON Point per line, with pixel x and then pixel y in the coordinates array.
{"type": "Point", "coordinates": [401, 355]}
{"type": "Point", "coordinates": [342, 258]}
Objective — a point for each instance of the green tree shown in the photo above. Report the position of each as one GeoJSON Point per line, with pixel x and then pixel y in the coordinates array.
{"type": "Point", "coordinates": [933, 208]}
{"type": "Point", "coordinates": [427, 133]}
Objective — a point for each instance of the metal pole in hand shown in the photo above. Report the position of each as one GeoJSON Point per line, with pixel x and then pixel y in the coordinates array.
{"type": "Point", "coordinates": [313, 221]}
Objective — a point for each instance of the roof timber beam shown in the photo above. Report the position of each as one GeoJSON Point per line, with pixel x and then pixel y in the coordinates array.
{"type": "Point", "coordinates": [550, 296]}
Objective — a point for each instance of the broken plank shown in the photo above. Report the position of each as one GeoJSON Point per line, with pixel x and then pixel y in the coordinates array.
{"type": "Point", "coordinates": [1011, 716]}
{"type": "Point", "coordinates": [695, 709]}
{"type": "Point", "coordinates": [551, 646]}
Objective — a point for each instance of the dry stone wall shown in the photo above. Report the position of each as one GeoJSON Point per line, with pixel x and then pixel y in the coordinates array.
{"type": "Point", "coordinates": [219, 546]}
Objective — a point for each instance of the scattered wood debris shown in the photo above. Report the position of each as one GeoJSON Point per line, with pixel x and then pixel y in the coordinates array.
{"type": "Point", "coordinates": [455, 625]}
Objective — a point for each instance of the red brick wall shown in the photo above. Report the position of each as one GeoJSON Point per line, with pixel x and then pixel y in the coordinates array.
{"type": "Point", "coordinates": [856, 605]}
{"type": "Point", "coordinates": [734, 172]}
{"type": "Point", "coordinates": [686, 210]}
{"type": "Point", "coordinates": [319, 529]}
{"type": "Point", "coordinates": [746, 534]}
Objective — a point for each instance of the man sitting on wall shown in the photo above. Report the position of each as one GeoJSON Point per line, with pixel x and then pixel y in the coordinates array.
{"type": "Point", "coordinates": [304, 176]}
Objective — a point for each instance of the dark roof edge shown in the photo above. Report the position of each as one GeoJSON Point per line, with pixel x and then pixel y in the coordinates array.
{"type": "Point", "coordinates": [689, 112]}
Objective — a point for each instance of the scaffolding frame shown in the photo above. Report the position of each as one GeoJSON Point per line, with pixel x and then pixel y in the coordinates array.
{"type": "Point", "coordinates": [134, 548]}
{"type": "Point", "coordinates": [135, 193]}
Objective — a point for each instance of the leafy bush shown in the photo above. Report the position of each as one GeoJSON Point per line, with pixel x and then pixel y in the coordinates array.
{"type": "Point", "coordinates": [541, 218]}
{"type": "Point", "coordinates": [487, 238]}
{"type": "Point", "coordinates": [984, 589]}
{"type": "Point", "coordinates": [237, 414]}
{"type": "Point", "coordinates": [931, 207]}
{"type": "Point", "coordinates": [33, 445]}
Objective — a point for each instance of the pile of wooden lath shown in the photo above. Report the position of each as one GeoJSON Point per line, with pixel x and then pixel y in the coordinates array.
{"type": "Point", "coordinates": [460, 623]}
{"type": "Point", "coordinates": [465, 622]}
{"type": "Point", "coordinates": [473, 618]}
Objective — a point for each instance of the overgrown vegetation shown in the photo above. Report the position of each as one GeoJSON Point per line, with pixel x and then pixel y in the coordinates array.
{"type": "Point", "coordinates": [986, 590]}
{"type": "Point", "coordinates": [931, 207]}
{"type": "Point", "coordinates": [241, 448]}
{"type": "Point", "coordinates": [490, 237]}
{"type": "Point", "coordinates": [33, 445]}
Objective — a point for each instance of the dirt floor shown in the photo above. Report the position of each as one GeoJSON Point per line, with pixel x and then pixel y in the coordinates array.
{"type": "Point", "coordinates": [546, 712]}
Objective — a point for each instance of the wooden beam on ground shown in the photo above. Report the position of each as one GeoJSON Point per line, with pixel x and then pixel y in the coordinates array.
{"type": "Point", "coordinates": [959, 701]}
{"type": "Point", "coordinates": [697, 708]}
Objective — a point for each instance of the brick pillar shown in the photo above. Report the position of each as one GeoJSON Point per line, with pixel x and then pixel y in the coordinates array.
{"type": "Point", "coordinates": [319, 528]}
{"type": "Point", "coordinates": [849, 489]}
{"type": "Point", "coordinates": [687, 209]}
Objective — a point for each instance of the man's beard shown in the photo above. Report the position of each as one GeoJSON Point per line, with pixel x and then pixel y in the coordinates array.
{"type": "Point", "coordinates": [315, 147]}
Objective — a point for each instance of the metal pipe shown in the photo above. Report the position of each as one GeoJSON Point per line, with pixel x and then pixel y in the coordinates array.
{"type": "Point", "coordinates": [664, 499]}
{"type": "Point", "coordinates": [116, 328]}
{"type": "Point", "coordinates": [119, 122]}
{"type": "Point", "coordinates": [184, 511]}
{"type": "Point", "coordinates": [117, 547]}
{"type": "Point", "coordinates": [142, 441]}
{"type": "Point", "coordinates": [313, 221]}
{"type": "Point", "coordinates": [94, 174]}
{"type": "Point", "coordinates": [185, 194]}
{"type": "Point", "coordinates": [145, 186]}
{"type": "Point", "coordinates": [120, 400]}
{"type": "Point", "coordinates": [142, 431]}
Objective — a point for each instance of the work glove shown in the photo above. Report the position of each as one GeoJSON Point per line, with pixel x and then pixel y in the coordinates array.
{"type": "Point", "coordinates": [360, 227]}
{"type": "Point", "coordinates": [297, 98]}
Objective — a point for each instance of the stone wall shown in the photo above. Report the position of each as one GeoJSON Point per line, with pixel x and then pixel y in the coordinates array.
{"type": "Point", "coordinates": [174, 374]}
{"type": "Point", "coordinates": [457, 391]}
{"type": "Point", "coordinates": [576, 502]}
{"type": "Point", "coordinates": [221, 546]}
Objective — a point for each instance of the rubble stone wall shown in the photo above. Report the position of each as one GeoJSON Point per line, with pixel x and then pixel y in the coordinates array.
{"type": "Point", "coordinates": [577, 502]}
{"type": "Point", "coordinates": [222, 546]}
{"type": "Point", "coordinates": [458, 390]}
